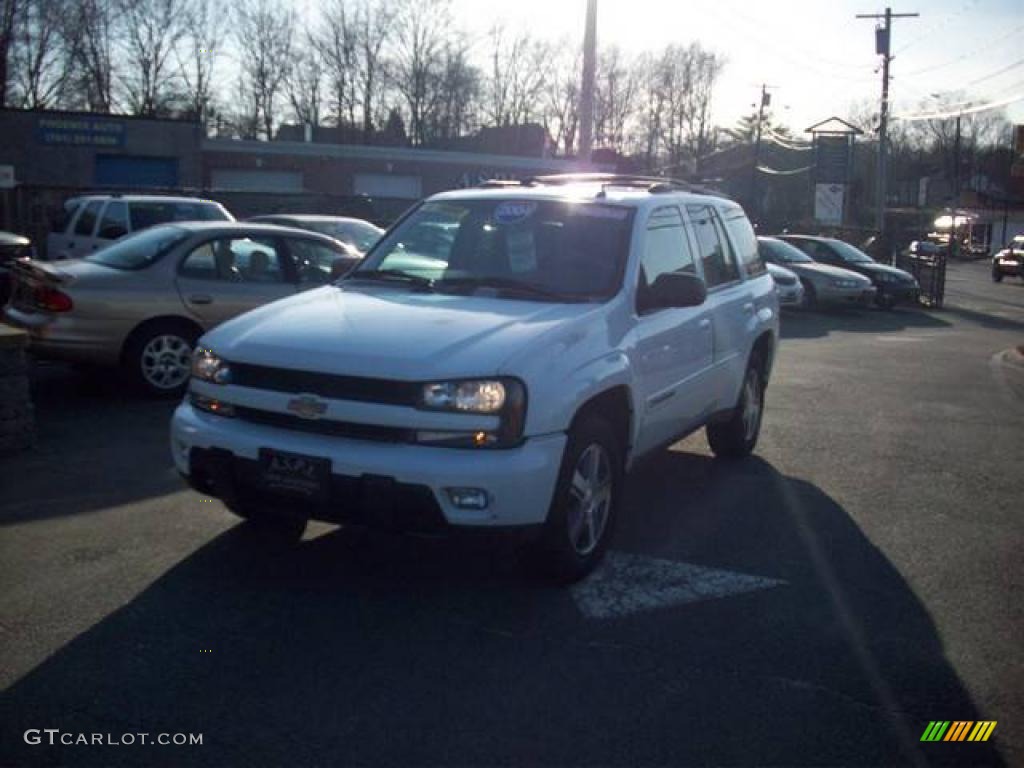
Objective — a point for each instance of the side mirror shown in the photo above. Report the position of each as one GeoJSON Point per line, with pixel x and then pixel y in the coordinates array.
{"type": "Point", "coordinates": [677, 289]}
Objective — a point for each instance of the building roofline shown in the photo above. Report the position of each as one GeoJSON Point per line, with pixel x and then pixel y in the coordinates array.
{"type": "Point", "coordinates": [366, 152]}
{"type": "Point", "coordinates": [98, 115]}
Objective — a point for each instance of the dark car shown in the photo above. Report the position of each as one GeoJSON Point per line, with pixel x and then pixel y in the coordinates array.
{"type": "Point", "coordinates": [12, 247]}
{"type": "Point", "coordinates": [357, 233]}
{"type": "Point", "coordinates": [894, 286]}
{"type": "Point", "coordinates": [1009, 260]}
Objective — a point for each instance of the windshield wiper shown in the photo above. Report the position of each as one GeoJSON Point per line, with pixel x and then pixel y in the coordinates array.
{"type": "Point", "coordinates": [507, 285]}
{"type": "Point", "coordinates": [391, 275]}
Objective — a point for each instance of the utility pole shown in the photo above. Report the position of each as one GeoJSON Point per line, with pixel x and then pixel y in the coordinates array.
{"type": "Point", "coordinates": [766, 99]}
{"type": "Point", "coordinates": [587, 87]}
{"type": "Point", "coordinates": [883, 39]}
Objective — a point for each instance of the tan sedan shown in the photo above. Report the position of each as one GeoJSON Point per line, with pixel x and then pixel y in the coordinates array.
{"type": "Point", "coordinates": [142, 302]}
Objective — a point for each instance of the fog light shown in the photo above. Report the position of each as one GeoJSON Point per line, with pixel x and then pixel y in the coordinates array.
{"type": "Point", "coordinates": [468, 498]}
{"type": "Point", "coordinates": [211, 405]}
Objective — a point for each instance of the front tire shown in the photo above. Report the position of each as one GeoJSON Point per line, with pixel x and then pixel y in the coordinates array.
{"type": "Point", "coordinates": [997, 276]}
{"type": "Point", "coordinates": [736, 437]}
{"type": "Point", "coordinates": [810, 295]}
{"type": "Point", "coordinates": [583, 511]}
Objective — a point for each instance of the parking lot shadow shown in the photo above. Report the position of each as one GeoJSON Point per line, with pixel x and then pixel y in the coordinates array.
{"type": "Point", "coordinates": [811, 324]}
{"type": "Point", "coordinates": [98, 445]}
{"type": "Point", "coordinates": [361, 648]}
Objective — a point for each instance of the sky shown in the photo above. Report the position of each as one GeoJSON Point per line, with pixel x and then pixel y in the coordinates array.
{"type": "Point", "coordinates": [817, 56]}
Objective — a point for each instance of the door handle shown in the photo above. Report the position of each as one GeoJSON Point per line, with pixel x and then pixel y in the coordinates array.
{"type": "Point", "coordinates": [749, 308]}
{"type": "Point", "coordinates": [705, 324]}
{"type": "Point", "coordinates": [200, 299]}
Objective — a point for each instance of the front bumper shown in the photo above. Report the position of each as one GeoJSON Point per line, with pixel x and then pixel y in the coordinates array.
{"type": "Point", "coordinates": [900, 293]}
{"type": "Point", "coordinates": [790, 295]}
{"type": "Point", "coordinates": [830, 294]}
{"type": "Point", "coordinates": [519, 481]}
{"type": "Point", "coordinates": [1008, 266]}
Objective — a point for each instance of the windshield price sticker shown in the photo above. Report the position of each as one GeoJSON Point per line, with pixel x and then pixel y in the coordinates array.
{"type": "Point", "coordinates": [514, 211]}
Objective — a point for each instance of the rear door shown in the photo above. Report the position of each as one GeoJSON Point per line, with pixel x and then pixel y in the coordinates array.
{"type": "Point", "coordinates": [225, 276]}
{"type": "Point", "coordinates": [113, 224]}
{"type": "Point", "coordinates": [730, 301]}
{"type": "Point", "coordinates": [673, 355]}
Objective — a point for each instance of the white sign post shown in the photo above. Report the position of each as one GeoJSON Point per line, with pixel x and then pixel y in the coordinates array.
{"type": "Point", "coordinates": [828, 203]}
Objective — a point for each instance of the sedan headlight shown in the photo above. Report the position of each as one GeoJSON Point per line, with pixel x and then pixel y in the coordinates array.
{"type": "Point", "coordinates": [845, 283]}
{"type": "Point", "coordinates": [474, 396]}
{"type": "Point", "coordinates": [885, 277]}
{"type": "Point", "coordinates": [206, 366]}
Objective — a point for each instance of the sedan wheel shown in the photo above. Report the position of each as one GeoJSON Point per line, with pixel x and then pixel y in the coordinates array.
{"type": "Point", "coordinates": [160, 358]}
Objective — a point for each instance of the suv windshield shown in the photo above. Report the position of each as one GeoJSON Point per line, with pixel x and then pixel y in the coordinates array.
{"type": "Point", "coordinates": [140, 250]}
{"type": "Point", "coordinates": [547, 249]}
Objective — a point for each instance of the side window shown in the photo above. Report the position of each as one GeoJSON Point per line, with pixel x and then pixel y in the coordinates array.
{"type": "Point", "coordinates": [314, 261]}
{"type": "Point", "coordinates": [114, 223]}
{"type": "Point", "coordinates": [666, 250]}
{"type": "Point", "coordinates": [235, 260]}
{"type": "Point", "coordinates": [87, 219]}
{"type": "Point", "coordinates": [745, 240]}
{"type": "Point", "coordinates": [715, 255]}
{"type": "Point", "coordinates": [67, 213]}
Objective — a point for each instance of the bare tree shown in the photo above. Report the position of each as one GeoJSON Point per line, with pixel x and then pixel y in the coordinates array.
{"type": "Point", "coordinates": [88, 34]}
{"type": "Point", "coordinates": [374, 24]}
{"type": "Point", "coordinates": [38, 67]}
{"type": "Point", "coordinates": [245, 116]}
{"type": "Point", "coordinates": [304, 83]}
{"type": "Point", "coordinates": [421, 33]}
{"type": "Point", "coordinates": [517, 71]}
{"type": "Point", "coordinates": [460, 88]}
{"type": "Point", "coordinates": [205, 24]}
{"type": "Point", "coordinates": [561, 96]}
{"type": "Point", "coordinates": [151, 31]}
{"type": "Point", "coordinates": [8, 15]}
{"type": "Point", "coordinates": [337, 44]}
{"type": "Point", "coordinates": [264, 31]}
{"type": "Point", "coordinates": [616, 86]}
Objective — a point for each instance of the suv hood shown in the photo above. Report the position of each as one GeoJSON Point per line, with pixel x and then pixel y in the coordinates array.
{"type": "Point", "coordinates": [390, 332]}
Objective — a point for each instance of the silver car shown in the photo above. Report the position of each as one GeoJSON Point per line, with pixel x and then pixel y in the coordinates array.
{"type": "Point", "coordinates": [787, 286]}
{"type": "Point", "coordinates": [142, 302]}
{"type": "Point", "coordinates": [823, 283]}
{"type": "Point", "coordinates": [358, 233]}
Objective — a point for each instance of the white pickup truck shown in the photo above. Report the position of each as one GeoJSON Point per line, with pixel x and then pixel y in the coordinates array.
{"type": "Point", "coordinates": [500, 359]}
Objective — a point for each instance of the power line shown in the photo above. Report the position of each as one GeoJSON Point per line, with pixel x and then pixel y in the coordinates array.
{"type": "Point", "coordinates": [932, 29]}
{"type": "Point", "coordinates": [988, 47]}
{"type": "Point", "coordinates": [997, 72]}
{"type": "Point", "coordinates": [959, 112]}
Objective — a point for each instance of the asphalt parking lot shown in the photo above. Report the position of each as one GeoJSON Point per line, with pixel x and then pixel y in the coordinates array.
{"type": "Point", "coordinates": [818, 604]}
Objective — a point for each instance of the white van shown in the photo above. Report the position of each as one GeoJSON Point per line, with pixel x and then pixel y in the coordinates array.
{"type": "Point", "coordinates": [92, 221]}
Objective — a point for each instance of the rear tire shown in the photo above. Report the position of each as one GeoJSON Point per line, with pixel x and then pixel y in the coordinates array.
{"type": "Point", "coordinates": [736, 437]}
{"type": "Point", "coordinates": [158, 357]}
{"type": "Point", "coordinates": [583, 510]}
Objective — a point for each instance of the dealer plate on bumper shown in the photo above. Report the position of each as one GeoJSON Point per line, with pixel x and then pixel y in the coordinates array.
{"type": "Point", "coordinates": [307, 477]}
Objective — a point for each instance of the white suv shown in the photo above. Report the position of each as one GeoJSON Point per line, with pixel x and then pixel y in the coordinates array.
{"type": "Point", "coordinates": [500, 359]}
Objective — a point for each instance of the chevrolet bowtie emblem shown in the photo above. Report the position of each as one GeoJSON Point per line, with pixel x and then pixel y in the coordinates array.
{"type": "Point", "coordinates": [307, 407]}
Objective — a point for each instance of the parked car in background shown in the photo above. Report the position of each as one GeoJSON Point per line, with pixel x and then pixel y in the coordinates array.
{"type": "Point", "coordinates": [357, 233]}
{"type": "Point", "coordinates": [12, 247]}
{"type": "Point", "coordinates": [1009, 260]}
{"type": "Point", "coordinates": [570, 328]}
{"type": "Point", "coordinates": [787, 286]}
{"type": "Point", "coordinates": [143, 301]}
{"type": "Point", "coordinates": [92, 221]}
{"type": "Point", "coordinates": [893, 286]}
{"type": "Point", "coordinates": [822, 283]}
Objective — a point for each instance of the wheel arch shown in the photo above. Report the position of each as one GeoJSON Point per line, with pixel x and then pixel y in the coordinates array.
{"type": "Point", "coordinates": [151, 322]}
{"type": "Point", "coordinates": [615, 405]}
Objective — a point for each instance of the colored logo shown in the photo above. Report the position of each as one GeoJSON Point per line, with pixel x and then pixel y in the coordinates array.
{"type": "Point", "coordinates": [958, 730]}
{"type": "Point", "coordinates": [307, 407]}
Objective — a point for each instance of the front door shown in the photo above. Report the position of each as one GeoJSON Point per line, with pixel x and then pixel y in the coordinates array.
{"type": "Point", "coordinates": [226, 276]}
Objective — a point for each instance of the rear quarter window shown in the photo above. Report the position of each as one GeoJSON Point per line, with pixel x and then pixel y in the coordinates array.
{"type": "Point", "coordinates": [745, 241]}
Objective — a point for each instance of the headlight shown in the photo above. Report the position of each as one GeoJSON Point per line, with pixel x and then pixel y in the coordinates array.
{"type": "Point", "coordinates": [887, 278]}
{"type": "Point", "coordinates": [842, 283]}
{"type": "Point", "coordinates": [206, 366]}
{"type": "Point", "coordinates": [481, 396]}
